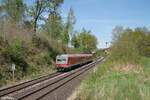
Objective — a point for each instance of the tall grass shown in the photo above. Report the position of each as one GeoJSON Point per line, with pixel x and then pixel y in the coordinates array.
{"type": "Point", "coordinates": [108, 84]}
{"type": "Point", "coordinates": [124, 75]}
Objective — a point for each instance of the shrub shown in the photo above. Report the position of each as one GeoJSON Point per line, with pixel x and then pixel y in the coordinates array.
{"type": "Point", "coordinates": [16, 53]}
{"type": "Point", "coordinates": [127, 47]}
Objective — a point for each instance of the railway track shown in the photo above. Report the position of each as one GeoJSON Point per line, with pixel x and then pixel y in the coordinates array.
{"type": "Point", "coordinates": [20, 86]}
{"type": "Point", "coordinates": [47, 86]}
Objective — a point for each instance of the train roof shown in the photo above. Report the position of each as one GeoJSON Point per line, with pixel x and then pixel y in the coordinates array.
{"type": "Point", "coordinates": [72, 55]}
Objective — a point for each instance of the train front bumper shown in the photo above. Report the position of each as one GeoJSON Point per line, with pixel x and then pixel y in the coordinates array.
{"type": "Point", "coordinates": [62, 65]}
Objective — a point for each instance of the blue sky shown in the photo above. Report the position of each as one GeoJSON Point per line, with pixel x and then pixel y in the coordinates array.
{"type": "Point", "coordinates": [101, 16]}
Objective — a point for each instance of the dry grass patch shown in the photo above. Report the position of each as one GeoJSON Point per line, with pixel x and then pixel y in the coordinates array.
{"type": "Point", "coordinates": [128, 67]}
{"type": "Point", "coordinates": [73, 95]}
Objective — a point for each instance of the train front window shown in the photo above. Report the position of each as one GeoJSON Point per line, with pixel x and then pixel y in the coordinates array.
{"type": "Point", "coordinates": [59, 60]}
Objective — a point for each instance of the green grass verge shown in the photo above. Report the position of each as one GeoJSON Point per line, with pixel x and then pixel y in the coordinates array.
{"type": "Point", "coordinates": [106, 84]}
{"type": "Point", "coordinates": [36, 74]}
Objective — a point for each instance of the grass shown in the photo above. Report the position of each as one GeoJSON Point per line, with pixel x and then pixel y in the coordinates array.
{"type": "Point", "coordinates": [42, 72]}
{"type": "Point", "coordinates": [107, 83]}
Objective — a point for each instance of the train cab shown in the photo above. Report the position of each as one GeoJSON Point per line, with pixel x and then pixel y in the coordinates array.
{"type": "Point", "coordinates": [62, 61]}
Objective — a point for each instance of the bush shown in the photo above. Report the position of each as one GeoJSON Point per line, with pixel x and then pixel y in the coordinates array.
{"type": "Point", "coordinates": [128, 46]}
{"type": "Point", "coordinates": [30, 58]}
{"type": "Point", "coordinates": [15, 53]}
{"type": "Point", "coordinates": [144, 45]}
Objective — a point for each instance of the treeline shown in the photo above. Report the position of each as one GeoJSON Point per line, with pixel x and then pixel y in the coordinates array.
{"type": "Point", "coordinates": [125, 73]}
{"type": "Point", "coordinates": [31, 41]}
{"type": "Point", "coordinates": [130, 44]}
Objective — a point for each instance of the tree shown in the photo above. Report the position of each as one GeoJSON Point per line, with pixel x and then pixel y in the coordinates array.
{"type": "Point", "coordinates": [85, 40]}
{"type": "Point", "coordinates": [117, 32]}
{"type": "Point", "coordinates": [144, 44]}
{"type": "Point", "coordinates": [75, 41]}
{"type": "Point", "coordinates": [130, 44]}
{"type": "Point", "coordinates": [41, 7]}
{"type": "Point", "coordinates": [53, 26]}
{"type": "Point", "coordinates": [13, 9]}
{"type": "Point", "coordinates": [88, 41]}
{"type": "Point", "coordinates": [69, 26]}
{"type": "Point", "coordinates": [36, 10]}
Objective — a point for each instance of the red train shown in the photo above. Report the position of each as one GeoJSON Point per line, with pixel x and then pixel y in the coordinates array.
{"type": "Point", "coordinates": [68, 61]}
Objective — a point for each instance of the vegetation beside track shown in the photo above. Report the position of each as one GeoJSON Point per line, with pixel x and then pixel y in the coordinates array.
{"type": "Point", "coordinates": [115, 82]}
{"type": "Point", "coordinates": [31, 41]}
{"type": "Point", "coordinates": [125, 73]}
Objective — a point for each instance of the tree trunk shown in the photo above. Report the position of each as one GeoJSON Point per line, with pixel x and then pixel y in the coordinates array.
{"type": "Point", "coordinates": [35, 25]}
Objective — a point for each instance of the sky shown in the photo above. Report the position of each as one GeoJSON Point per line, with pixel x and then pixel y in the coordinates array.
{"type": "Point", "coordinates": [101, 16]}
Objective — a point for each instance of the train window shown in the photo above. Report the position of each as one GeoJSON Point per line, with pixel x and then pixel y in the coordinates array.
{"type": "Point", "coordinates": [61, 59]}
{"type": "Point", "coordinates": [58, 59]}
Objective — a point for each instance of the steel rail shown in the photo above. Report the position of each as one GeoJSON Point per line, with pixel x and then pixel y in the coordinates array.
{"type": "Point", "coordinates": [20, 86]}
{"type": "Point", "coordinates": [62, 84]}
{"type": "Point", "coordinates": [11, 89]}
{"type": "Point", "coordinates": [87, 67]}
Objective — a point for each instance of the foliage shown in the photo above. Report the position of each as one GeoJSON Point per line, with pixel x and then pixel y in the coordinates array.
{"type": "Point", "coordinates": [13, 9]}
{"type": "Point", "coordinates": [129, 44]}
{"type": "Point", "coordinates": [125, 73]}
{"type": "Point", "coordinates": [144, 45]}
{"type": "Point", "coordinates": [68, 27]}
{"type": "Point", "coordinates": [53, 26]}
{"type": "Point", "coordinates": [15, 53]}
{"type": "Point", "coordinates": [33, 53]}
{"type": "Point", "coordinates": [29, 58]}
{"type": "Point", "coordinates": [75, 41]}
{"type": "Point", "coordinates": [106, 83]}
{"type": "Point", "coordinates": [84, 40]}
{"type": "Point", "coordinates": [99, 53]}
{"type": "Point", "coordinates": [42, 6]}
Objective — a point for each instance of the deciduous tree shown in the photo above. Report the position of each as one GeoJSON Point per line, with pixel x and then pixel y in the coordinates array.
{"type": "Point", "coordinates": [41, 7]}
{"type": "Point", "coordinates": [68, 27]}
{"type": "Point", "coordinates": [13, 9]}
{"type": "Point", "coordinates": [85, 40]}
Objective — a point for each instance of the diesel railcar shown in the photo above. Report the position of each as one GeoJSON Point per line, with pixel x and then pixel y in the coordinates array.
{"type": "Point", "coordinates": [68, 61]}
